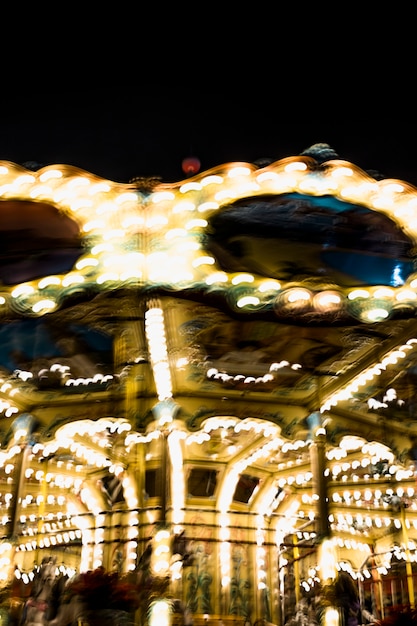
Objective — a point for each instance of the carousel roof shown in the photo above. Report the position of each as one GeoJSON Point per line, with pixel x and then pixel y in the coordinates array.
{"type": "Point", "coordinates": [286, 284]}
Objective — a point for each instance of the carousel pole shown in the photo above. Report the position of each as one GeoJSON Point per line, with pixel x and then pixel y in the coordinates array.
{"type": "Point", "coordinates": [408, 565]}
{"type": "Point", "coordinates": [318, 468]}
{"type": "Point", "coordinates": [17, 495]}
{"type": "Point", "coordinates": [164, 411]}
{"type": "Point", "coordinates": [22, 429]}
{"type": "Point", "coordinates": [326, 552]}
{"type": "Point", "coordinates": [41, 514]}
{"type": "Point", "coordinates": [160, 613]}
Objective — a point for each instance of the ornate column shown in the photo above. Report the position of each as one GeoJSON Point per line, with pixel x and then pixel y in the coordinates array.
{"type": "Point", "coordinates": [318, 468]}
{"type": "Point", "coordinates": [408, 564]}
{"type": "Point", "coordinates": [326, 557]}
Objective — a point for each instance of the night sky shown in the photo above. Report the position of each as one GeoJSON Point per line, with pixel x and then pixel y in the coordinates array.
{"type": "Point", "coordinates": [146, 125]}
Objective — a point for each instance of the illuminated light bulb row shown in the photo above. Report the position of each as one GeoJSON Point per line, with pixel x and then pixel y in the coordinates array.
{"type": "Point", "coordinates": [109, 217]}
{"type": "Point", "coordinates": [260, 554]}
{"type": "Point", "coordinates": [53, 522]}
{"type": "Point", "coordinates": [27, 577]}
{"type": "Point", "coordinates": [222, 377]}
{"type": "Point", "coordinates": [161, 553]}
{"type": "Point", "coordinates": [359, 525]}
{"type": "Point", "coordinates": [98, 547]}
{"type": "Point", "coordinates": [275, 369]}
{"type": "Point", "coordinates": [258, 427]}
{"type": "Point", "coordinates": [131, 496]}
{"type": "Point", "coordinates": [112, 216]}
{"type": "Point", "coordinates": [6, 555]}
{"type": "Point", "coordinates": [367, 375]}
{"type": "Point", "coordinates": [47, 542]}
{"type": "Point", "coordinates": [53, 525]}
{"type": "Point", "coordinates": [155, 333]}
{"type": "Point", "coordinates": [305, 536]}
{"type": "Point", "coordinates": [394, 472]}
{"type": "Point", "coordinates": [364, 499]}
{"type": "Point", "coordinates": [69, 480]}
{"type": "Point", "coordinates": [209, 193]}
{"type": "Point", "coordinates": [131, 555]}
{"type": "Point", "coordinates": [97, 379]}
{"type": "Point", "coordinates": [369, 497]}
{"type": "Point", "coordinates": [339, 471]}
{"type": "Point", "coordinates": [60, 373]}
{"type": "Point", "coordinates": [7, 408]}
{"type": "Point", "coordinates": [69, 431]}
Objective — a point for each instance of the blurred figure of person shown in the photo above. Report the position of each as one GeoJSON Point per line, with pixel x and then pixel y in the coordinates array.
{"type": "Point", "coordinates": [347, 599]}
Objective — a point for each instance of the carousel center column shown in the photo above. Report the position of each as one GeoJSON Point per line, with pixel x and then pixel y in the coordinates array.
{"type": "Point", "coordinates": [318, 469]}
{"type": "Point", "coordinates": [326, 557]}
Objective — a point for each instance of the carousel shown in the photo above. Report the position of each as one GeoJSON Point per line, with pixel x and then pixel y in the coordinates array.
{"type": "Point", "coordinates": [207, 391]}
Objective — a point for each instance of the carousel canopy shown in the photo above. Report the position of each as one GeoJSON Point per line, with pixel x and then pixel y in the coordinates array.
{"type": "Point", "coordinates": [253, 305]}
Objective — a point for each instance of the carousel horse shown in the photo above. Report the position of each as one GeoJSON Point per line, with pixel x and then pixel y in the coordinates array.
{"type": "Point", "coordinates": [69, 613]}
{"type": "Point", "coordinates": [36, 611]}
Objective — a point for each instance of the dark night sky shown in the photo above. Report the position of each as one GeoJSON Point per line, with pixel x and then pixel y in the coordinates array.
{"type": "Point", "coordinates": [139, 111]}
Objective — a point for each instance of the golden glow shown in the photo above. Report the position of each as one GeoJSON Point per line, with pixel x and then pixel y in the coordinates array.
{"type": "Point", "coordinates": [72, 479]}
{"type": "Point", "coordinates": [168, 236]}
{"type": "Point", "coordinates": [327, 560]}
{"type": "Point", "coordinates": [178, 480]}
{"type": "Point", "coordinates": [160, 613]}
{"type": "Point", "coordinates": [112, 211]}
{"type": "Point", "coordinates": [155, 332]}
{"type": "Point", "coordinates": [161, 553]}
{"type": "Point", "coordinates": [331, 617]}
{"type": "Point", "coordinates": [346, 393]}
